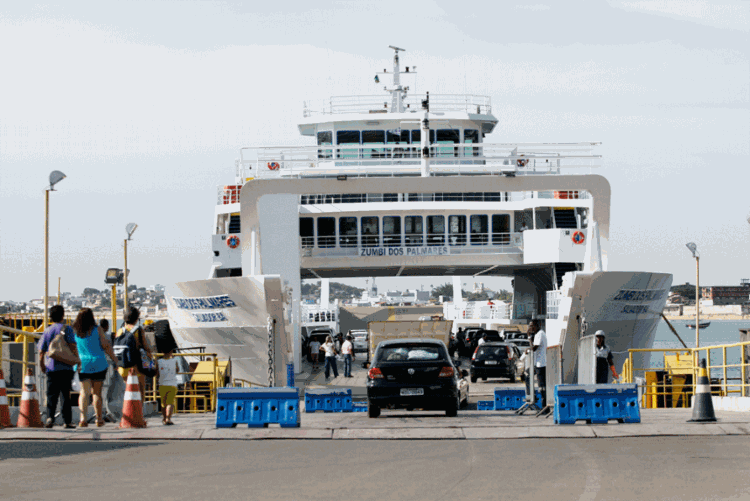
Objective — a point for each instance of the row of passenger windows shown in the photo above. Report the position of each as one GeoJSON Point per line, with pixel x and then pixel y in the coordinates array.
{"type": "Point", "coordinates": [440, 136]}
{"type": "Point", "coordinates": [410, 231]}
{"type": "Point", "coordinates": [404, 197]}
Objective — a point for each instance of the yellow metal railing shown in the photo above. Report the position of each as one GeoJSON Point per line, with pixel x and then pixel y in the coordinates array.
{"type": "Point", "coordinates": [727, 365]}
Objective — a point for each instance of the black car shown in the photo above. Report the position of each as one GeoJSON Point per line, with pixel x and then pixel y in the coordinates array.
{"type": "Point", "coordinates": [470, 338]}
{"type": "Point", "coordinates": [494, 360]}
{"type": "Point", "coordinates": [415, 373]}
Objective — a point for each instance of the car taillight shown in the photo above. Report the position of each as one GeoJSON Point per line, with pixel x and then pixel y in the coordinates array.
{"type": "Point", "coordinates": [446, 372]}
{"type": "Point", "coordinates": [474, 355]}
{"type": "Point", "coordinates": [374, 373]}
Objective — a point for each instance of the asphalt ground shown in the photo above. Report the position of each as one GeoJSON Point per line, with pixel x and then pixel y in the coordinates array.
{"type": "Point", "coordinates": [676, 468]}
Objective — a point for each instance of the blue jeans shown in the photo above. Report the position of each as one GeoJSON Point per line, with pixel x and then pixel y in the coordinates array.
{"type": "Point", "coordinates": [331, 364]}
{"type": "Point", "coordinates": [347, 365]}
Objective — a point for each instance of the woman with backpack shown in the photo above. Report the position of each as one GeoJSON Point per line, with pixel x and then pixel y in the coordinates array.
{"type": "Point", "coordinates": [92, 345]}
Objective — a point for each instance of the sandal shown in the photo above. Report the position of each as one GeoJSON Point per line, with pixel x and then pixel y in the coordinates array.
{"type": "Point", "coordinates": [99, 423]}
{"type": "Point", "coordinates": [83, 424]}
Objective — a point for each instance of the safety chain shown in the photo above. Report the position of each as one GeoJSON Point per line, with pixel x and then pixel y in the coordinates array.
{"type": "Point", "coordinates": [270, 328]}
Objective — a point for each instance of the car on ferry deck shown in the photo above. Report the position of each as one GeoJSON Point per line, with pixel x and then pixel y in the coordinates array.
{"type": "Point", "coordinates": [415, 373]}
{"type": "Point", "coordinates": [494, 360]}
{"type": "Point", "coordinates": [359, 339]}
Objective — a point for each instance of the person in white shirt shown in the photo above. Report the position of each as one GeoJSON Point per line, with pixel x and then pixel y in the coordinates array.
{"type": "Point", "coordinates": [540, 358]}
{"type": "Point", "coordinates": [482, 340]}
{"type": "Point", "coordinates": [314, 351]}
{"type": "Point", "coordinates": [347, 349]}
{"type": "Point", "coordinates": [330, 350]}
{"type": "Point", "coordinates": [167, 370]}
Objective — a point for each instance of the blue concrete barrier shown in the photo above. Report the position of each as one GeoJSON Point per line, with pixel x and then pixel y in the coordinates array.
{"type": "Point", "coordinates": [257, 407]}
{"type": "Point", "coordinates": [507, 399]}
{"type": "Point", "coordinates": [328, 400]}
{"type": "Point", "coordinates": [290, 375]}
{"type": "Point", "coordinates": [359, 407]}
{"type": "Point", "coordinates": [596, 403]}
{"type": "Point", "coordinates": [486, 405]}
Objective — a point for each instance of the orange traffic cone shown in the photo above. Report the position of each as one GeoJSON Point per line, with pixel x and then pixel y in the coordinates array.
{"type": "Point", "coordinates": [132, 409]}
{"type": "Point", "coordinates": [4, 410]}
{"type": "Point", "coordinates": [703, 406]}
{"type": "Point", "coordinates": [28, 413]}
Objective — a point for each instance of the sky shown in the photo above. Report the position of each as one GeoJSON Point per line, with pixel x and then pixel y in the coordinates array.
{"type": "Point", "coordinates": [144, 105]}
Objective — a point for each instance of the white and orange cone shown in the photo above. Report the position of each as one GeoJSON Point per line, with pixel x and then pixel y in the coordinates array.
{"type": "Point", "coordinates": [132, 408]}
{"type": "Point", "coordinates": [28, 414]}
{"type": "Point", "coordinates": [4, 410]}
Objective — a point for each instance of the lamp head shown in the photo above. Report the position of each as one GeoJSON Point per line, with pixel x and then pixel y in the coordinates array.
{"type": "Point", "coordinates": [693, 248]}
{"type": "Point", "coordinates": [55, 177]}
{"type": "Point", "coordinates": [130, 229]}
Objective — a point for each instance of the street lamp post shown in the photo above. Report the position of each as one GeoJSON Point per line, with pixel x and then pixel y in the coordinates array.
{"type": "Point", "coordinates": [55, 177]}
{"type": "Point", "coordinates": [694, 249]}
{"type": "Point", "coordinates": [129, 229]}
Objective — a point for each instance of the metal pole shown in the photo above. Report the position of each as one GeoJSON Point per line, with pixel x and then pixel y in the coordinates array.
{"type": "Point", "coordinates": [58, 290]}
{"type": "Point", "coordinates": [114, 307]}
{"type": "Point", "coordinates": [125, 298]}
{"type": "Point", "coordinates": [46, 260]}
{"type": "Point", "coordinates": [697, 302]}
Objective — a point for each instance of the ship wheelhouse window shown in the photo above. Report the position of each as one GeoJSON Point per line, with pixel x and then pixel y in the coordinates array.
{"type": "Point", "coordinates": [347, 232]}
{"type": "Point", "coordinates": [479, 229]}
{"type": "Point", "coordinates": [355, 198]}
{"type": "Point", "coordinates": [325, 138]}
{"type": "Point", "coordinates": [234, 223]}
{"type": "Point", "coordinates": [471, 136]}
{"type": "Point", "coordinates": [500, 229]}
{"type": "Point", "coordinates": [435, 230]}
{"type": "Point", "coordinates": [348, 144]}
{"type": "Point", "coordinates": [390, 197]}
{"type": "Point", "coordinates": [492, 196]}
{"type": "Point", "coordinates": [400, 137]}
{"type": "Point", "coordinates": [413, 231]}
{"type": "Point", "coordinates": [326, 232]}
{"type": "Point", "coordinates": [391, 231]}
{"type": "Point", "coordinates": [370, 231]}
{"type": "Point", "coordinates": [457, 230]}
{"type": "Point", "coordinates": [306, 232]}
{"type": "Point", "coordinates": [371, 139]}
{"type": "Point", "coordinates": [447, 136]}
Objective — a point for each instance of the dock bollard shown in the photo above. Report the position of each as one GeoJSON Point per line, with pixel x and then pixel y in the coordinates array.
{"type": "Point", "coordinates": [703, 406]}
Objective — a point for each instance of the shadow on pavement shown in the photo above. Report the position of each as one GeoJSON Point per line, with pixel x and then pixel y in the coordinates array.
{"type": "Point", "coordinates": [37, 449]}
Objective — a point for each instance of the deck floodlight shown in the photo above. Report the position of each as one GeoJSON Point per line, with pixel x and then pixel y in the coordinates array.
{"type": "Point", "coordinates": [55, 177]}
{"type": "Point", "coordinates": [693, 248]}
{"type": "Point", "coordinates": [130, 229]}
{"type": "Point", "coordinates": [114, 276]}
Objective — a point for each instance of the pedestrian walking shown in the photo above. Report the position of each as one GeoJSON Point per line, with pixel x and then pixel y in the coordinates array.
{"type": "Point", "coordinates": [131, 349]}
{"type": "Point", "coordinates": [330, 350]}
{"type": "Point", "coordinates": [604, 360]}
{"type": "Point", "coordinates": [347, 349]}
{"type": "Point", "coordinates": [314, 352]}
{"type": "Point", "coordinates": [58, 338]}
{"type": "Point", "coordinates": [167, 370]}
{"type": "Point", "coordinates": [92, 346]}
{"type": "Point", "coordinates": [540, 357]}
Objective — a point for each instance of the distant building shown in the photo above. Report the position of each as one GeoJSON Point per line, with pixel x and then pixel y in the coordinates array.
{"type": "Point", "coordinates": [730, 294]}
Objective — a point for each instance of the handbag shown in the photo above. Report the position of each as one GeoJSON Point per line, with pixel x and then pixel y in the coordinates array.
{"type": "Point", "coordinates": [60, 350]}
{"type": "Point", "coordinates": [148, 367]}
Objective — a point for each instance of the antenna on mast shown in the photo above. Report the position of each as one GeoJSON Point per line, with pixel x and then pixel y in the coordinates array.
{"type": "Point", "coordinates": [398, 93]}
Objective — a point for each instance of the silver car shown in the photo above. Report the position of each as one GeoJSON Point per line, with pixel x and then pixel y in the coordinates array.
{"type": "Point", "coordinates": [359, 339]}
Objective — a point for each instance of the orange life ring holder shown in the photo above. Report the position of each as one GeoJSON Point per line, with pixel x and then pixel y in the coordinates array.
{"type": "Point", "coordinates": [273, 166]}
{"type": "Point", "coordinates": [578, 237]}
{"type": "Point", "coordinates": [233, 241]}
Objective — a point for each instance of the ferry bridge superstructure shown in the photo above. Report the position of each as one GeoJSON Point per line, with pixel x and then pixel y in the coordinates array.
{"type": "Point", "coordinates": [407, 186]}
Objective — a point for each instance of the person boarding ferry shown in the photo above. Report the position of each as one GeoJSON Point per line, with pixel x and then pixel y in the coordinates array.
{"type": "Point", "coordinates": [603, 359]}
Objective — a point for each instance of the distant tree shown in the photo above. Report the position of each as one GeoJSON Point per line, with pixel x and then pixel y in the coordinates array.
{"type": "Point", "coordinates": [132, 288]}
{"type": "Point", "coordinates": [445, 290]}
{"type": "Point", "coordinates": [90, 291]}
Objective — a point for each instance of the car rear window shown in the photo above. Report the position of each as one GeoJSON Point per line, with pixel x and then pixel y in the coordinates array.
{"type": "Point", "coordinates": [492, 351]}
{"type": "Point", "coordinates": [411, 353]}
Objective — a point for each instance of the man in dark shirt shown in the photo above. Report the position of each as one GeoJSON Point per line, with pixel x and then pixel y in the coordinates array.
{"type": "Point", "coordinates": [604, 360]}
{"type": "Point", "coordinates": [59, 374]}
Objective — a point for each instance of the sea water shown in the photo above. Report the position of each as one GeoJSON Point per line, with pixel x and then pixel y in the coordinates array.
{"type": "Point", "coordinates": [719, 332]}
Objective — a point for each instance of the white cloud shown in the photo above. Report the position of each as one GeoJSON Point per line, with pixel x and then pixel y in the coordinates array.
{"type": "Point", "coordinates": [734, 15]}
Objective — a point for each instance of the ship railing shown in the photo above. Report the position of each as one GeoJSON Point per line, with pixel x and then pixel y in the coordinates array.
{"type": "Point", "coordinates": [513, 196]}
{"type": "Point", "coordinates": [482, 310]}
{"type": "Point", "coordinates": [464, 245]}
{"type": "Point", "coordinates": [378, 159]}
{"type": "Point", "coordinates": [375, 104]}
{"type": "Point", "coordinates": [669, 380]}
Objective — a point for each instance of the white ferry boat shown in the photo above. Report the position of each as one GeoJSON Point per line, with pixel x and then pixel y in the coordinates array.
{"type": "Point", "coordinates": [401, 186]}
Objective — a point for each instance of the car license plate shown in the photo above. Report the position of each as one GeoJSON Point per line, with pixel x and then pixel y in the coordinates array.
{"type": "Point", "coordinates": [408, 392]}
{"type": "Point", "coordinates": [490, 362]}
